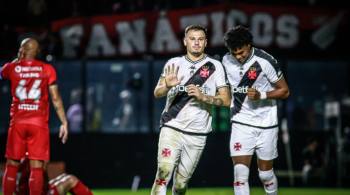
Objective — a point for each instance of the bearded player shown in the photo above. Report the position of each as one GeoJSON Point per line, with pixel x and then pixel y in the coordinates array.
{"type": "Point", "coordinates": [186, 120]}
{"type": "Point", "coordinates": [31, 83]}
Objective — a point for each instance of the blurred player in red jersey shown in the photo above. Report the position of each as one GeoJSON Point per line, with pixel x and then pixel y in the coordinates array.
{"type": "Point", "coordinates": [31, 82]}
{"type": "Point", "coordinates": [60, 185]}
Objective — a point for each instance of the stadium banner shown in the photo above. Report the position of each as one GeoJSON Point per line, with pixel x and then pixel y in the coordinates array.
{"type": "Point", "coordinates": [276, 28]}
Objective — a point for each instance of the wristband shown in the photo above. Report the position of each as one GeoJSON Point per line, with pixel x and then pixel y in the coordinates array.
{"type": "Point", "coordinates": [263, 95]}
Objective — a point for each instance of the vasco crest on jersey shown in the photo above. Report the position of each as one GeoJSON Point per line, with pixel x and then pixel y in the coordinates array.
{"type": "Point", "coordinates": [204, 72]}
{"type": "Point", "coordinates": [252, 73]}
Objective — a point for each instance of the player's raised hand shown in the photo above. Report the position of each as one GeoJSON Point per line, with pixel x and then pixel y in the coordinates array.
{"type": "Point", "coordinates": [171, 79]}
{"type": "Point", "coordinates": [63, 133]}
{"type": "Point", "coordinates": [193, 90]}
{"type": "Point", "coordinates": [253, 94]}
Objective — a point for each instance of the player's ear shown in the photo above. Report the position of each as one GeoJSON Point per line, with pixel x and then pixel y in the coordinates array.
{"type": "Point", "coordinates": [21, 55]}
{"type": "Point", "coordinates": [185, 41]}
{"type": "Point", "coordinates": [206, 41]}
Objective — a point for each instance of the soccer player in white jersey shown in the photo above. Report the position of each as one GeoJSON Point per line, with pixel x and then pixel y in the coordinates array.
{"type": "Point", "coordinates": [193, 84]}
{"type": "Point", "coordinates": [256, 82]}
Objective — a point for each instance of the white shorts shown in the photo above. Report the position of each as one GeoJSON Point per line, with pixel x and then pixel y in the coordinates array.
{"type": "Point", "coordinates": [181, 149]}
{"type": "Point", "coordinates": [245, 140]}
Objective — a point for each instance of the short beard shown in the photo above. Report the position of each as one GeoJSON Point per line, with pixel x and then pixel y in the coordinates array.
{"type": "Point", "coordinates": [196, 53]}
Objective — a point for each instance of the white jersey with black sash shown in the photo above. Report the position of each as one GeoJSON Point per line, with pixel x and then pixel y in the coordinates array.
{"type": "Point", "coordinates": [187, 114]}
{"type": "Point", "coordinates": [260, 72]}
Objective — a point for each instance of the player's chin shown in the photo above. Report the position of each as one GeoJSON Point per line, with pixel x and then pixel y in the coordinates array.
{"type": "Point", "coordinates": [197, 52]}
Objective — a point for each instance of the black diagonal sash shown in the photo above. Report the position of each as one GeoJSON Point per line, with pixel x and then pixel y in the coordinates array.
{"type": "Point", "coordinates": [182, 98]}
{"type": "Point", "coordinates": [245, 82]}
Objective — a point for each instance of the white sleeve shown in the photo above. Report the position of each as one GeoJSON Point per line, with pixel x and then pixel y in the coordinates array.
{"type": "Point", "coordinates": [220, 76]}
{"type": "Point", "coordinates": [273, 72]}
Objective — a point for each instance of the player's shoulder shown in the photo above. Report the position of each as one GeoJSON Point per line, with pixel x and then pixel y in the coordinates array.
{"type": "Point", "coordinates": [9, 64]}
{"type": "Point", "coordinates": [228, 59]}
{"type": "Point", "coordinates": [264, 58]}
{"type": "Point", "coordinates": [47, 67]}
{"type": "Point", "coordinates": [213, 60]}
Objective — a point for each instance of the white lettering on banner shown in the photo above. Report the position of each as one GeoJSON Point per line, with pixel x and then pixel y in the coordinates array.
{"type": "Point", "coordinates": [164, 38]}
{"type": "Point", "coordinates": [71, 38]}
{"type": "Point", "coordinates": [288, 34]}
{"type": "Point", "coordinates": [217, 19]}
{"type": "Point", "coordinates": [283, 30]}
{"type": "Point", "coordinates": [99, 40]}
{"type": "Point", "coordinates": [27, 107]}
{"type": "Point", "coordinates": [130, 36]}
{"type": "Point", "coordinates": [234, 15]}
{"type": "Point", "coordinates": [186, 21]}
{"type": "Point", "coordinates": [264, 21]}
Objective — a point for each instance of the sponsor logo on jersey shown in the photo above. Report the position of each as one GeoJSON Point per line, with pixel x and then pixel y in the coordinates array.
{"type": "Point", "coordinates": [19, 69]}
{"type": "Point", "coordinates": [204, 89]}
{"type": "Point", "coordinates": [243, 89]}
{"type": "Point", "coordinates": [193, 67]}
{"type": "Point", "coordinates": [27, 107]}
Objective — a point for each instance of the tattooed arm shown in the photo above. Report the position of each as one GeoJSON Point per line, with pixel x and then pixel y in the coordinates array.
{"type": "Point", "coordinates": [222, 98]}
{"type": "Point", "coordinates": [58, 105]}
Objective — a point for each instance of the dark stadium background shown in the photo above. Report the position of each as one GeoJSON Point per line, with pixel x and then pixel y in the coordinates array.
{"type": "Point", "coordinates": [106, 87]}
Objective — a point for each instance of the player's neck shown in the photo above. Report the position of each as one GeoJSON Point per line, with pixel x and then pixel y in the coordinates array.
{"type": "Point", "coordinates": [29, 58]}
{"type": "Point", "coordinates": [195, 58]}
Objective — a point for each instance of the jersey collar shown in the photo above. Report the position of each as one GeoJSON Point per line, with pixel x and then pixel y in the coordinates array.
{"type": "Point", "coordinates": [195, 62]}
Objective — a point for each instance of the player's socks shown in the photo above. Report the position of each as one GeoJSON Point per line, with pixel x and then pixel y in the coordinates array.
{"type": "Point", "coordinates": [9, 180]}
{"type": "Point", "coordinates": [80, 189]}
{"type": "Point", "coordinates": [36, 181]}
{"type": "Point", "coordinates": [270, 181]}
{"type": "Point", "coordinates": [241, 175]}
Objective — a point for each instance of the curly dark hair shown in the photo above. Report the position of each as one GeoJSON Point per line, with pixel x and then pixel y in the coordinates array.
{"type": "Point", "coordinates": [196, 27]}
{"type": "Point", "coordinates": [238, 37]}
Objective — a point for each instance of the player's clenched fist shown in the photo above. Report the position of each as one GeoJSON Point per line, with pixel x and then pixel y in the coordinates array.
{"type": "Point", "coordinates": [253, 94]}
{"type": "Point", "coordinates": [193, 90]}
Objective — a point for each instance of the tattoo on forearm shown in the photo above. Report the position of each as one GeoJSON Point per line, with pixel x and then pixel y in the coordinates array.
{"type": "Point", "coordinates": [214, 101]}
{"type": "Point", "coordinates": [218, 102]}
{"type": "Point", "coordinates": [209, 100]}
{"type": "Point", "coordinates": [59, 107]}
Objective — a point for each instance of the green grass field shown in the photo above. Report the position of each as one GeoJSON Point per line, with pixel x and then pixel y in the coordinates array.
{"type": "Point", "coordinates": [229, 191]}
